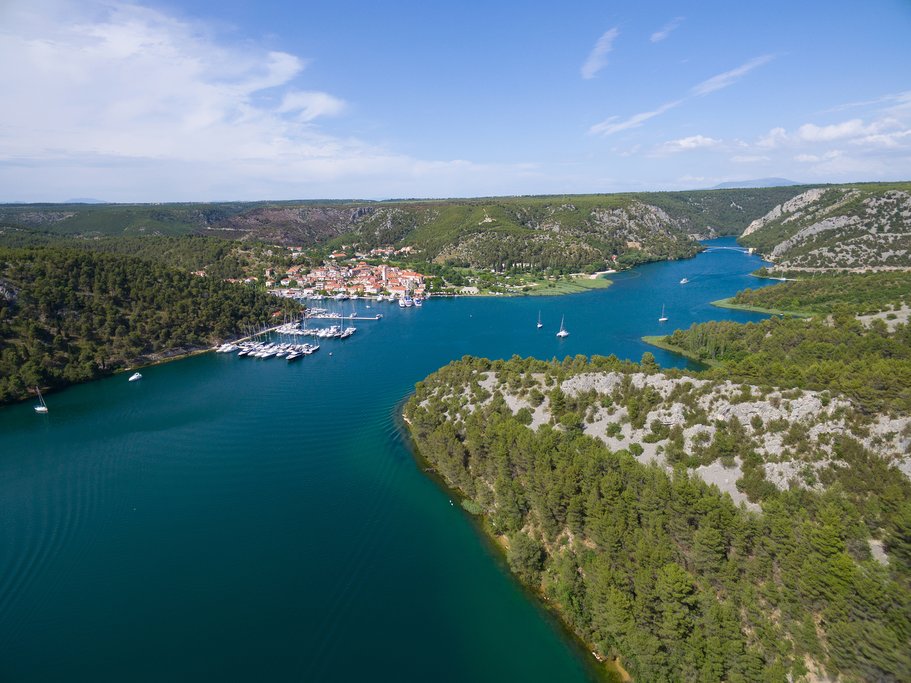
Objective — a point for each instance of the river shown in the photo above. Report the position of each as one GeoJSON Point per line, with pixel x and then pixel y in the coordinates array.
{"type": "Point", "coordinates": [240, 519]}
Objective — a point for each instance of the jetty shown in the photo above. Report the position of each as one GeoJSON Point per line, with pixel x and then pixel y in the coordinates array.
{"type": "Point", "coordinates": [339, 316]}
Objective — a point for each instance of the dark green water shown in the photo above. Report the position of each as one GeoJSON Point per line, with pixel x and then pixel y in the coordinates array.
{"type": "Point", "coordinates": [241, 519]}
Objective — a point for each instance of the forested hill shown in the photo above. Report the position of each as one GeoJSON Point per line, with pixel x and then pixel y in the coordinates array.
{"type": "Point", "coordinates": [70, 315]}
{"type": "Point", "coordinates": [587, 471]}
{"type": "Point", "coordinates": [527, 232]}
{"type": "Point", "coordinates": [841, 227]}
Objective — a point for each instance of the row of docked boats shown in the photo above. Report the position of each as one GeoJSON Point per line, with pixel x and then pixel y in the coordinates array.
{"type": "Point", "coordinates": [331, 332]}
{"type": "Point", "coordinates": [407, 302]}
{"type": "Point", "coordinates": [285, 350]}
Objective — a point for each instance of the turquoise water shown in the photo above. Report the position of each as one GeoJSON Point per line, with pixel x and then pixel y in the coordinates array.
{"type": "Point", "coordinates": [239, 519]}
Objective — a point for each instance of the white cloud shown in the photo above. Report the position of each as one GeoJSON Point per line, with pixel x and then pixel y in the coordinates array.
{"type": "Point", "coordinates": [310, 104]}
{"type": "Point", "coordinates": [723, 80]}
{"type": "Point", "coordinates": [129, 103]}
{"type": "Point", "coordinates": [749, 158]}
{"type": "Point", "coordinates": [612, 125]}
{"type": "Point", "coordinates": [838, 131]}
{"type": "Point", "coordinates": [687, 144]}
{"type": "Point", "coordinates": [666, 30]}
{"type": "Point", "coordinates": [597, 59]}
{"type": "Point", "coordinates": [816, 158]}
{"type": "Point", "coordinates": [774, 138]}
{"type": "Point", "coordinates": [899, 99]}
{"type": "Point", "coordinates": [888, 132]}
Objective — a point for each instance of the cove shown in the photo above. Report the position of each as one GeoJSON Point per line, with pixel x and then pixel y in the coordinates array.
{"type": "Point", "coordinates": [235, 519]}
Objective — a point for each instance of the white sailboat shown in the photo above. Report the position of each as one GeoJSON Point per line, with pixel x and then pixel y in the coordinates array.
{"type": "Point", "coordinates": [562, 333]}
{"type": "Point", "coordinates": [42, 406]}
{"type": "Point", "coordinates": [663, 318]}
{"type": "Point", "coordinates": [540, 324]}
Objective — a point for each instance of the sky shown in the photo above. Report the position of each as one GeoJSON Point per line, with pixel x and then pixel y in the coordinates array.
{"type": "Point", "coordinates": [216, 100]}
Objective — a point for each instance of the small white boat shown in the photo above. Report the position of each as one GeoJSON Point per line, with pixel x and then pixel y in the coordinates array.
{"type": "Point", "coordinates": [663, 318]}
{"type": "Point", "coordinates": [134, 377]}
{"type": "Point", "coordinates": [42, 406]}
{"type": "Point", "coordinates": [562, 333]}
{"type": "Point", "coordinates": [684, 281]}
{"type": "Point", "coordinates": [540, 324]}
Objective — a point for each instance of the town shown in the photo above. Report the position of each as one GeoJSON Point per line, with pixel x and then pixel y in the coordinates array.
{"type": "Point", "coordinates": [360, 279]}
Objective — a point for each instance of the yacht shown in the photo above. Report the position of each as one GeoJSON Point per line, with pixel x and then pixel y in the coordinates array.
{"type": "Point", "coordinates": [134, 377]}
{"type": "Point", "coordinates": [562, 333]}
{"type": "Point", "coordinates": [684, 281]}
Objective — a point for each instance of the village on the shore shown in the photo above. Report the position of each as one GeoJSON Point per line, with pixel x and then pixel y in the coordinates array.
{"type": "Point", "coordinates": [335, 277]}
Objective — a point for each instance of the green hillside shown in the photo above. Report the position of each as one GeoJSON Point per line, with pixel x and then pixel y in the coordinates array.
{"type": "Point", "coordinates": [69, 315]}
{"type": "Point", "coordinates": [527, 233]}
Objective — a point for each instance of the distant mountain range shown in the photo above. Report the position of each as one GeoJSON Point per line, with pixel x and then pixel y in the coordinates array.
{"type": "Point", "coordinates": [758, 182]}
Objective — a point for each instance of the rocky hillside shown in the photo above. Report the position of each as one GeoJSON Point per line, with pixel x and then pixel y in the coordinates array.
{"type": "Point", "coordinates": [739, 437]}
{"type": "Point", "coordinates": [607, 481]}
{"type": "Point", "coordinates": [846, 227]}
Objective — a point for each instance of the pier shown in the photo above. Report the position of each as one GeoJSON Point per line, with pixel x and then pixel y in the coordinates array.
{"type": "Point", "coordinates": [336, 316]}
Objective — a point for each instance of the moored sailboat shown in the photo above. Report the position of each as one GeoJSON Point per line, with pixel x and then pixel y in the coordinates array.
{"type": "Point", "coordinates": [42, 406]}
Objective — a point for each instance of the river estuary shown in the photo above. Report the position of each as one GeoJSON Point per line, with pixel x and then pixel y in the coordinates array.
{"type": "Point", "coordinates": [242, 519]}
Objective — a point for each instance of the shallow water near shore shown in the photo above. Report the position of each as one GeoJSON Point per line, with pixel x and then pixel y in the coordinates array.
{"type": "Point", "coordinates": [233, 519]}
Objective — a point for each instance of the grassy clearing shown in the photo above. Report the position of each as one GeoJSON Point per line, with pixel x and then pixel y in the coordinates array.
{"type": "Point", "coordinates": [729, 303]}
{"type": "Point", "coordinates": [582, 283]}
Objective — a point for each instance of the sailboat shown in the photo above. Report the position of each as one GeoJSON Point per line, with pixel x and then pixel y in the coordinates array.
{"type": "Point", "coordinates": [562, 332]}
{"type": "Point", "coordinates": [540, 324]}
{"type": "Point", "coordinates": [42, 407]}
{"type": "Point", "coordinates": [663, 318]}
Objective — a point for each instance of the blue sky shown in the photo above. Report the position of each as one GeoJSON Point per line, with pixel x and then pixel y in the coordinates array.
{"type": "Point", "coordinates": [204, 100]}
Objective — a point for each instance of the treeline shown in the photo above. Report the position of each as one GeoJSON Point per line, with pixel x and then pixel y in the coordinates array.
{"type": "Point", "coordinates": [218, 257]}
{"type": "Point", "coordinates": [871, 366]}
{"type": "Point", "coordinates": [857, 292]}
{"type": "Point", "coordinates": [69, 315]}
{"type": "Point", "coordinates": [660, 569]}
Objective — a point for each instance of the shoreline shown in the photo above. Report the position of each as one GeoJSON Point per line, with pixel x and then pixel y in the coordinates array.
{"type": "Point", "coordinates": [156, 359]}
{"type": "Point", "coordinates": [607, 669]}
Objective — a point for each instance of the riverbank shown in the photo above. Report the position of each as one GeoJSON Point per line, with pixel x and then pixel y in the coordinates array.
{"type": "Point", "coordinates": [729, 303]}
{"type": "Point", "coordinates": [607, 670]}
